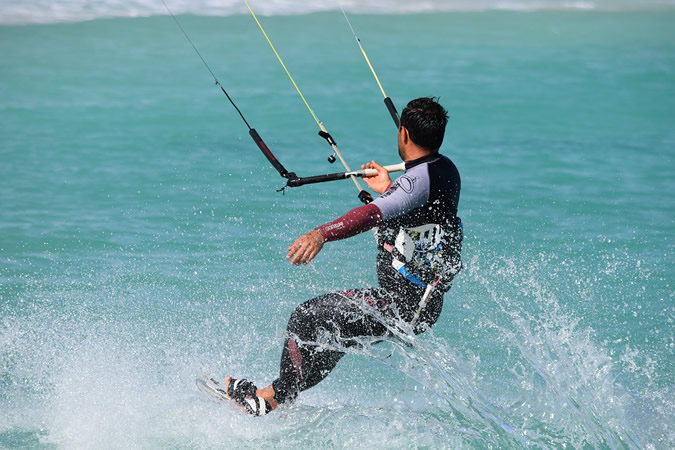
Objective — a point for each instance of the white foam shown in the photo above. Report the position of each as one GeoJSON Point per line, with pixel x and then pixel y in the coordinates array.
{"type": "Point", "coordinates": [47, 11]}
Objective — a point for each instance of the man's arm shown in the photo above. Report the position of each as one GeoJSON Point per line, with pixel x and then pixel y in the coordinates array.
{"type": "Point", "coordinates": [356, 221]}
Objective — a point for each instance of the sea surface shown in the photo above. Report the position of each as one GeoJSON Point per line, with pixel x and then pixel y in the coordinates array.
{"type": "Point", "coordinates": [143, 237]}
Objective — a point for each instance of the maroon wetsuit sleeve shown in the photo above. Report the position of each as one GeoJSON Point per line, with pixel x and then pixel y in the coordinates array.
{"type": "Point", "coordinates": [354, 222]}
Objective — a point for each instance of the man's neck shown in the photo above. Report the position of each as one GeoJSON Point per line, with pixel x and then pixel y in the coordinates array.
{"type": "Point", "coordinates": [415, 152]}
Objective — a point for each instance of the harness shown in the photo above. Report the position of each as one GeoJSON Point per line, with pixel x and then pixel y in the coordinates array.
{"type": "Point", "coordinates": [427, 256]}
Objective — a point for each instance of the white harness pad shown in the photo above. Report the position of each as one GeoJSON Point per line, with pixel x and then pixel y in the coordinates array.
{"type": "Point", "coordinates": [424, 253]}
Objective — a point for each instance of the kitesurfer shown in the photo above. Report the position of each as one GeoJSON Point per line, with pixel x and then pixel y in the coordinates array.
{"type": "Point", "coordinates": [419, 239]}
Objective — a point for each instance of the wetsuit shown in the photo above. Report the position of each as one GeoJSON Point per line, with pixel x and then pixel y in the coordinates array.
{"type": "Point", "coordinates": [419, 238]}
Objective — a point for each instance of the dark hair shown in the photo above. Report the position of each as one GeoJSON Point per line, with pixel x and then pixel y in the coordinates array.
{"type": "Point", "coordinates": [425, 119]}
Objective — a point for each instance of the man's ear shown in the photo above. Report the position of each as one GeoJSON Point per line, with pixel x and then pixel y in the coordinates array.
{"type": "Point", "coordinates": [404, 134]}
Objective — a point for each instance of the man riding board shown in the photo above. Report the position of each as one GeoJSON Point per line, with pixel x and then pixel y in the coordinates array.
{"type": "Point", "coordinates": [419, 240]}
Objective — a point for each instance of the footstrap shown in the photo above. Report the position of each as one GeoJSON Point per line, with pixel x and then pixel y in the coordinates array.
{"type": "Point", "coordinates": [257, 406]}
{"type": "Point", "coordinates": [244, 393]}
{"type": "Point", "coordinates": [240, 389]}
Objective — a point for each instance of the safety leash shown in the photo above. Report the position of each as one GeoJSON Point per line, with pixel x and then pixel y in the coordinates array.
{"type": "Point", "coordinates": [423, 301]}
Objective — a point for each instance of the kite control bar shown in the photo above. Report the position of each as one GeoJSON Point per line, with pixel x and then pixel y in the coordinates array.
{"type": "Point", "coordinates": [301, 181]}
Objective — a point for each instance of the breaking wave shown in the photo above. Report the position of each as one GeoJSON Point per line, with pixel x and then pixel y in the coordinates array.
{"type": "Point", "coordinates": [46, 11]}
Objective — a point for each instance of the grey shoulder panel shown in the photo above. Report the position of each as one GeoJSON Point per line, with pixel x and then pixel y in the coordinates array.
{"type": "Point", "coordinates": [409, 191]}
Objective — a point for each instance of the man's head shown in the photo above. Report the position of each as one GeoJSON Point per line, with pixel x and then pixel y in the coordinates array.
{"type": "Point", "coordinates": [423, 122]}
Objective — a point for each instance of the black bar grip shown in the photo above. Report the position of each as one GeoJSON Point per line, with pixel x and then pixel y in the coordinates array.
{"type": "Point", "coordinates": [301, 181]}
{"type": "Point", "coordinates": [392, 111]}
{"type": "Point", "coordinates": [364, 195]}
{"type": "Point", "coordinates": [268, 153]}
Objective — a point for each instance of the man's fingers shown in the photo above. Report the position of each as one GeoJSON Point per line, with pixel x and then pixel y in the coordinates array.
{"type": "Point", "coordinates": [374, 165]}
{"type": "Point", "coordinates": [297, 255]}
{"type": "Point", "coordinates": [292, 250]}
{"type": "Point", "coordinates": [380, 168]}
{"type": "Point", "coordinates": [305, 248]}
{"type": "Point", "coordinates": [311, 255]}
{"type": "Point", "coordinates": [303, 256]}
{"type": "Point", "coordinates": [295, 244]}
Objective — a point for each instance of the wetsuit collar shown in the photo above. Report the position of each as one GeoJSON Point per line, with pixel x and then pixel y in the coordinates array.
{"type": "Point", "coordinates": [424, 159]}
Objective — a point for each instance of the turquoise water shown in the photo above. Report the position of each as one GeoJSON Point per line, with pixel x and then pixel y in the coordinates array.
{"type": "Point", "coordinates": [143, 242]}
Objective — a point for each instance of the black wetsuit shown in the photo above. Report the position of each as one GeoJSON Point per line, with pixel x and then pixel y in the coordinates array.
{"type": "Point", "coordinates": [419, 241]}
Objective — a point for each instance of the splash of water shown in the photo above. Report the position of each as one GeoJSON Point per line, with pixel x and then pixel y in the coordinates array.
{"type": "Point", "coordinates": [111, 363]}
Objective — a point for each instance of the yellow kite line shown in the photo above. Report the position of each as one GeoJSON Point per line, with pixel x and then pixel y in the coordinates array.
{"type": "Point", "coordinates": [387, 101]}
{"type": "Point", "coordinates": [318, 122]}
{"type": "Point", "coordinates": [358, 41]}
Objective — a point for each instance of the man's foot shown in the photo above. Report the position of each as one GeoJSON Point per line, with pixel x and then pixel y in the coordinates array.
{"type": "Point", "coordinates": [257, 402]}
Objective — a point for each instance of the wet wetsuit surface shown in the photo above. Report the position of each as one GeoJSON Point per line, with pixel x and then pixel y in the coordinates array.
{"type": "Point", "coordinates": [419, 240]}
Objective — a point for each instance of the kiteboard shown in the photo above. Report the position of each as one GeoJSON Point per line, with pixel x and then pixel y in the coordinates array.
{"type": "Point", "coordinates": [257, 406]}
{"type": "Point", "coordinates": [212, 388]}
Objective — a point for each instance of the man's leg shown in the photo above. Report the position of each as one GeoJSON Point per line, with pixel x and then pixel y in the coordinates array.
{"type": "Point", "coordinates": [318, 332]}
